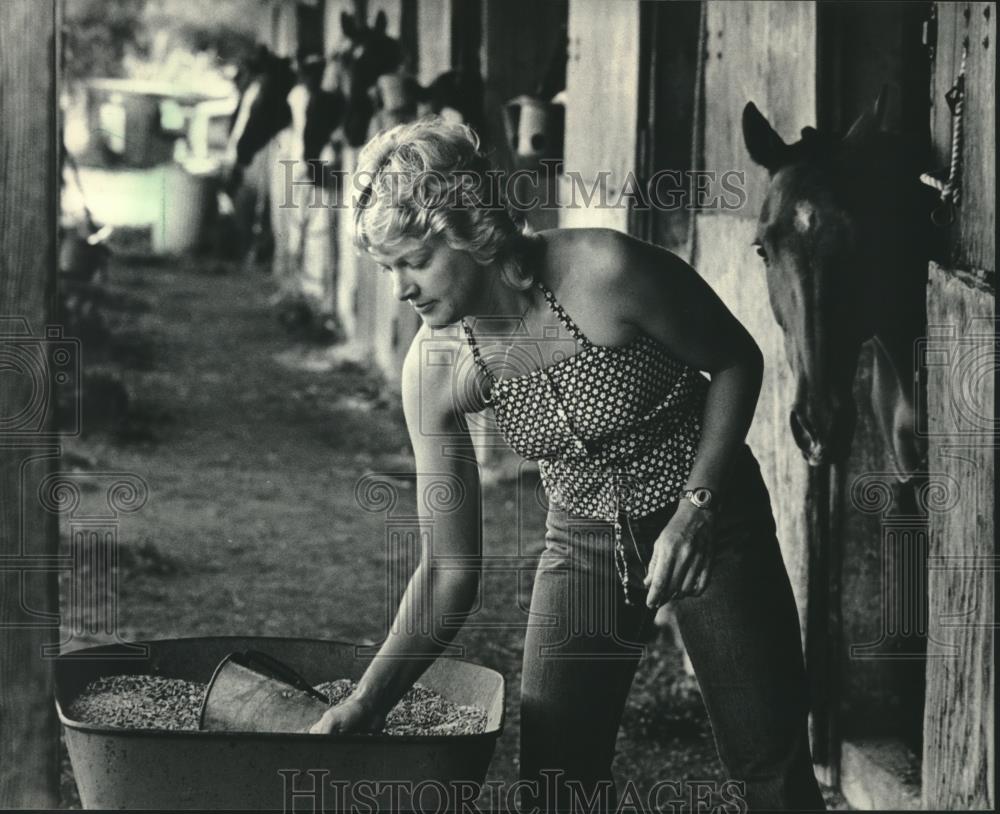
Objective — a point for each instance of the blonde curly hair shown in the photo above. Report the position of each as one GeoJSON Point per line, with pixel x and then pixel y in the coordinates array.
{"type": "Point", "coordinates": [428, 178]}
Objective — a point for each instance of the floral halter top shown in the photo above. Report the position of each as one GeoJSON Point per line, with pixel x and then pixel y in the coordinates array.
{"type": "Point", "coordinates": [614, 429]}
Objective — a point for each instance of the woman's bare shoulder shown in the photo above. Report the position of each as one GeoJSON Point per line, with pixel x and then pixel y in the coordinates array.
{"type": "Point", "coordinates": [591, 258]}
{"type": "Point", "coordinates": [439, 379]}
{"type": "Point", "coordinates": [591, 272]}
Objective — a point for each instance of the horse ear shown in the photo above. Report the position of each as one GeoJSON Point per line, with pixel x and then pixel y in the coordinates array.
{"type": "Point", "coordinates": [870, 121]}
{"type": "Point", "coordinates": [764, 145]}
{"type": "Point", "coordinates": [381, 22]}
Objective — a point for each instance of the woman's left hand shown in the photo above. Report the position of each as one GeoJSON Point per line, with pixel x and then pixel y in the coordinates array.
{"type": "Point", "coordinates": [682, 556]}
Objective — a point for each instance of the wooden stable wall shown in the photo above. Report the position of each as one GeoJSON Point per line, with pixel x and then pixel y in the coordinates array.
{"type": "Point", "coordinates": [29, 536]}
{"type": "Point", "coordinates": [282, 27]}
{"type": "Point", "coordinates": [959, 759]}
{"type": "Point", "coordinates": [835, 551]}
{"type": "Point", "coordinates": [434, 26]}
{"type": "Point", "coordinates": [973, 238]}
{"type": "Point", "coordinates": [879, 547]}
{"type": "Point", "coordinates": [743, 63]}
{"type": "Point", "coordinates": [601, 111]}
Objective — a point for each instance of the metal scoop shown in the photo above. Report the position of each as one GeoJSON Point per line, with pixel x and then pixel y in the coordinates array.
{"type": "Point", "coordinates": [251, 691]}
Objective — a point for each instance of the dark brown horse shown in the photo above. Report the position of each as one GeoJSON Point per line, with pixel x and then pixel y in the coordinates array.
{"type": "Point", "coordinates": [370, 54]}
{"type": "Point", "coordinates": [841, 233]}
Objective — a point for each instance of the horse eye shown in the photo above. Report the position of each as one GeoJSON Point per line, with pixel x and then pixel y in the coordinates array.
{"type": "Point", "coordinates": [760, 251]}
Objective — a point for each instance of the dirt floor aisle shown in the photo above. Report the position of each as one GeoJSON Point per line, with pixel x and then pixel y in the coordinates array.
{"type": "Point", "coordinates": [252, 448]}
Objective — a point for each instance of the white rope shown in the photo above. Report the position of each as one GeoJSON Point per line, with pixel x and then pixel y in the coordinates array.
{"type": "Point", "coordinates": [951, 190]}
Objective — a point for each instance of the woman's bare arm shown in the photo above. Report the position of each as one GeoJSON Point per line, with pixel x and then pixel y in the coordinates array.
{"type": "Point", "coordinates": [652, 290]}
{"type": "Point", "coordinates": [445, 583]}
{"type": "Point", "coordinates": [660, 294]}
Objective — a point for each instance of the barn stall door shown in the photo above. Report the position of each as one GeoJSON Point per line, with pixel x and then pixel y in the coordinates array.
{"type": "Point", "coordinates": [766, 52]}
{"type": "Point", "coordinates": [883, 581]}
{"type": "Point", "coordinates": [959, 760]}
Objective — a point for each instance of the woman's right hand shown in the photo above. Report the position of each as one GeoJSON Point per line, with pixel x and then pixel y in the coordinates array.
{"type": "Point", "coordinates": [350, 715]}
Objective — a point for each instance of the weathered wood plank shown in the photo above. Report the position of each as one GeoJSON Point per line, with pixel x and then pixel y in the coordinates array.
{"type": "Point", "coordinates": [762, 52]}
{"type": "Point", "coordinates": [434, 21]}
{"type": "Point", "coordinates": [601, 115]}
{"type": "Point", "coordinates": [973, 233]}
{"type": "Point", "coordinates": [28, 725]}
{"type": "Point", "coordinates": [284, 29]}
{"type": "Point", "coordinates": [959, 759]}
{"type": "Point", "coordinates": [729, 265]}
{"type": "Point", "coordinates": [766, 52]}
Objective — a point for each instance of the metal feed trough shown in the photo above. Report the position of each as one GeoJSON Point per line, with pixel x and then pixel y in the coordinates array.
{"type": "Point", "coordinates": [165, 769]}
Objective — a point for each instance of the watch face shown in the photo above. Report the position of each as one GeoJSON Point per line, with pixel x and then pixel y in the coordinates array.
{"type": "Point", "coordinates": [702, 497]}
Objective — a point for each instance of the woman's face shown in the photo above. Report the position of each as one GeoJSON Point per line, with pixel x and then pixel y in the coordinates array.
{"type": "Point", "coordinates": [441, 283]}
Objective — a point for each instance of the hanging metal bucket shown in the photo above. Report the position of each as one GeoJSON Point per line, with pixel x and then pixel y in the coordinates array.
{"type": "Point", "coordinates": [254, 692]}
{"type": "Point", "coordinates": [533, 127]}
{"type": "Point", "coordinates": [174, 770]}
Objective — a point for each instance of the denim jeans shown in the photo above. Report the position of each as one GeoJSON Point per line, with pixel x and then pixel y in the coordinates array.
{"type": "Point", "coordinates": [742, 634]}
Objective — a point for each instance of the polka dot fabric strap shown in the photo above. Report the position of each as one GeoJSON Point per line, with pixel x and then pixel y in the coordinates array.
{"type": "Point", "coordinates": [564, 318]}
{"type": "Point", "coordinates": [475, 352]}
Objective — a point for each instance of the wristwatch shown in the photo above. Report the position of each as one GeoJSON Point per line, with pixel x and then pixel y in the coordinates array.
{"type": "Point", "coordinates": [701, 497]}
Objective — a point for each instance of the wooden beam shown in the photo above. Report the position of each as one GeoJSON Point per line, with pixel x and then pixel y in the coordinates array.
{"type": "Point", "coordinates": [973, 234]}
{"type": "Point", "coordinates": [29, 771]}
{"type": "Point", "coordinates": [959, 759]}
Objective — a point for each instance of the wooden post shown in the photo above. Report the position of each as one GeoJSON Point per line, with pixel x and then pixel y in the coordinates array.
{"type": "Point", "coordinates": [602, 115]}
{"type": "Point", "coordinates": [959, 760]}
{"type": "Point", "coordinates": [959, 757]}
{"type": "Point", "coordinates": [29, 771]}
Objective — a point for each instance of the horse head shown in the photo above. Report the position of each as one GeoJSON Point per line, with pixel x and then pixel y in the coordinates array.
{"type": "Point", "coordinates": [269, 113]}
{"type": "Point", "coordinates": [371, 54]}
{"type": "Point", "coordinates": [835, 234]}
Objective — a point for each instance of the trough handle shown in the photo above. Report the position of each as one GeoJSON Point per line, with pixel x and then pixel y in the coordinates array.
{"type": "Point", "coordinates": [282, 671]}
